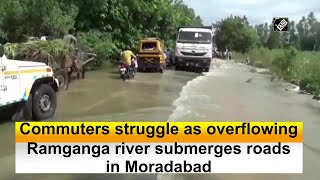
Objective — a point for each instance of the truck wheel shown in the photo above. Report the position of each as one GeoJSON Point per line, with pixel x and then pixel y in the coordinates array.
{"type": "Point", "coordinates": [198, 70]}
{"type": "Point", "coordinates": [62, 77]}
{"type": "Point", "coordinates": [44, 102]}
{"type": "Point", "coordinates": [206, 70]}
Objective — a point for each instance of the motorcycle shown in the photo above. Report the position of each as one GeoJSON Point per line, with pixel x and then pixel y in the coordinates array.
{"type": "Point", "coordinates": [126, 73]}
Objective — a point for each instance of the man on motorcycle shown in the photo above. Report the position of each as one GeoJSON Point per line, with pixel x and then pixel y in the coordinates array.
{"type": "Point", "coordinates": [127, 56]}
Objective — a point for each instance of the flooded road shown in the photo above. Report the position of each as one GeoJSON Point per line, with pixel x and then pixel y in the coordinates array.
{"type": "Point", "coordinates": [220, 95]}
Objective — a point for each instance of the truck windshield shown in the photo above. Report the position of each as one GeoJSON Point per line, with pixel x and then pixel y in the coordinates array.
{"type": "Point", "coordinates": [194, 37]}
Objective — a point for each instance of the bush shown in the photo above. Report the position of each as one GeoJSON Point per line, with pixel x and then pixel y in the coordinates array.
{"type": "Point", "coordinates": [50, 52]}
{"type": "Point", "coordinates": [99, 43]}
{"type": "Point", "coordinates": [301, 66]}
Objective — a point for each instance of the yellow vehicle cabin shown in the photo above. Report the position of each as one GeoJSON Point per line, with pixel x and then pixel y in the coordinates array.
{"type": "Point", "coordinates": [151, 55]}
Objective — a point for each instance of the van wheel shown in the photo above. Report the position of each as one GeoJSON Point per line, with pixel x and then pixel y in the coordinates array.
{"type": "Point", "coordinates": [44, 102]}
{"type": "Point", "coordinates": [62, 77]}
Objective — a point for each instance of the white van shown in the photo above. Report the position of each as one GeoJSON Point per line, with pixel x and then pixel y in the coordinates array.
{"type": "Point", "coordinates": [29, 85]}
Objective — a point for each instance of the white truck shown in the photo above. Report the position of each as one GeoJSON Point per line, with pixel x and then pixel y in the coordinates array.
{"type": "Point", "coordinates": [194, 47]}
{"type": "Point", "coordinates": [28, 88]}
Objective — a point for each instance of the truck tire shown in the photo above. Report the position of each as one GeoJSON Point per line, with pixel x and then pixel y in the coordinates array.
{"type": "Point", "coordinates": [44, 102]}
{"type": "Point", "coordinates": [206, 70]}
{"type": "Point", "coordinates": [198, 70]}
{"type": "Point", "coordinates": [62, 77]}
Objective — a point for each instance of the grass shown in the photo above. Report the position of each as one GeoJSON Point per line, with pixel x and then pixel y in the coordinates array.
{"type": "Point", "coordinates": [291, 65]}
{"type": "Point", "coordinates": [49, 52]}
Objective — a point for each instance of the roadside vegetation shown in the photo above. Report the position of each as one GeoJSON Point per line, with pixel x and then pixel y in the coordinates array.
{"type": "Point", "coordinates": [293, 55]}
{"type": "Point", "coordinates": [105, 27]}
{"type": "Point", "coordinates": [102, 26]}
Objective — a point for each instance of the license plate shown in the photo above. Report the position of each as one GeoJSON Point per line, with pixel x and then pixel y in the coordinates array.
{"type": "Point", "coordinates": [191, 64]}
{"type": "Point", "coordinates": [187, 64]}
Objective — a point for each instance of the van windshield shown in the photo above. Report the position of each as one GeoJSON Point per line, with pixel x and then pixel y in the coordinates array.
{"type": "Point", "coordinates": [194, 37]}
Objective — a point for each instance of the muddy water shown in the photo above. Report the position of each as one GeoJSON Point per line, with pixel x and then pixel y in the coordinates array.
{"type": "Point", "coordinates": [103, 96]}
{"type": "Point", "coordinates": [225, 95]}
{"type": "Point", "coordinates": [220, 95]}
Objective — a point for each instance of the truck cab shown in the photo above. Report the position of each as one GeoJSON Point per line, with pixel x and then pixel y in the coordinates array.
{"type": "Point", "coordinates": [194, 46]}
{"type": "Point", "coordinates": [28, 87]}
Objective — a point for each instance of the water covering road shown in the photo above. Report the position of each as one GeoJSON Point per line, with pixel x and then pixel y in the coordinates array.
{"type": "Point", "coordinates": [220, 95]}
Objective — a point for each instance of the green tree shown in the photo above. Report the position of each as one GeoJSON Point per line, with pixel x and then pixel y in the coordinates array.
{"type": "Point", "coordinates": [34, 18]}
{"type": "Point", "coordinates": [274, 40]}
{"type": "Point", "coordinates": [127, 21]}
{"type": "Point", "coordinates": [293, 36]}
{"type": "Point", "coordinates": [235, 34]}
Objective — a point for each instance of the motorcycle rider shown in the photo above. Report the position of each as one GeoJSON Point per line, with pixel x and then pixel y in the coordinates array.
{"type": "Point", "coordinates": [126, 56]}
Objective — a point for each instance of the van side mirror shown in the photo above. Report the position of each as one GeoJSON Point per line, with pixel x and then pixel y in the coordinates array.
{"type": "Point", "coordinates": [1, 50]}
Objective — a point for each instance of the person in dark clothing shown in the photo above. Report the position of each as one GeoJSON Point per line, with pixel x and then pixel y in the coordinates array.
{"type": "Point", "coordinates": [169, 57]}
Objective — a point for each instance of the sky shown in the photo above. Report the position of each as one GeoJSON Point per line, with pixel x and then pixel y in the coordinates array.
{"type": "Point", "coordinates": [257, 11]}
